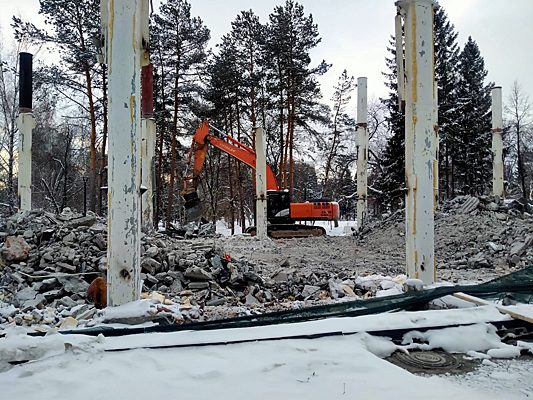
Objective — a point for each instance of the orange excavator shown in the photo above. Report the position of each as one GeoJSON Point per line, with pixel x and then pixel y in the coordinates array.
{"type": "Point", "coordinates": [282, 215]}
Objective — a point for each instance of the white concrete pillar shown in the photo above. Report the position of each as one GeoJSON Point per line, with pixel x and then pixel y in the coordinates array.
{"type": "Point", "coordinates": [497, 143]}
{"type": "Point", "coordinates": [25, 124]}
{"type": "Point", "coordinates": [124, 51]}
{"type": "Point", "coordinates": [419, 139]}
{"type": "Point", "coordinates": [260, 184]}
{"type": "Point", "coordinates": [362, 151]}
{"type": "Point", "coordinates": [436, 143]}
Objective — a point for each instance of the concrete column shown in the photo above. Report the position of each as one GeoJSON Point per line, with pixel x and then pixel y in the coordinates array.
{"type": "Point", "coordinates": [25, 124]}
{"type": "Point", "coordinates": [260, 184]}
{"type": "Point", "coordinates": [436, 143]}
{"type": "Point", "coordinates": [124, 49]}
{"type": "Point", "coordinates": [147, 147]}
{"type": "Point", "coordinates": [362, 151]}
{"type": "Point", "coordinates": [497, 143]}
{"type": "Point", "coordinates": [419, 139]}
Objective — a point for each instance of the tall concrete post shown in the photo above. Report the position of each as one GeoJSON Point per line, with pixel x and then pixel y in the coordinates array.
{"type": "Point", "coordinates": [124, 51]}
{"type": "Point", "coordinates": [147, 146]}
{"type": "Point", "coordinates": [436, 142]}
{"type": "Point", "coordinates": [25, 124]}
{"type": "Point", "coordinates": [419, 139]}
{"type": "Point", "coordinates": [260, 184]}
{"type": "Point", "coordinates": [497, 143]}
{"type": "Point", "coordinates": [362, 151]}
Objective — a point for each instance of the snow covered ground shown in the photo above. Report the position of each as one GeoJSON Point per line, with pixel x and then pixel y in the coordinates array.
{"type": "Point", "coordinates": [339, 367]}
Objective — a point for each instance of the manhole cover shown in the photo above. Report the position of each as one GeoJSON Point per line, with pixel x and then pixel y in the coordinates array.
{"type": "Point", "coordinates": [433, 362]}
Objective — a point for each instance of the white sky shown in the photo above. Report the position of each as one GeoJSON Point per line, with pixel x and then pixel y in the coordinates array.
{"type": "Point", "coordinates": [355, 33]}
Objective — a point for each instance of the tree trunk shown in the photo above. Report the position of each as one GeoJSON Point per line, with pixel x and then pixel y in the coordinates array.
{"type": "Point", "coordinates": [66, 169]}
{"type": "Point", "coordinates": [92, 145]}
{"type": "Point", "coordinates": [281, 131]}
{"type": "Point", "coordinates": [521, 174]}
{"type": "Point", "coordinates": [239, 172]}
{"type": "Point", "coordinates": [173, 151]}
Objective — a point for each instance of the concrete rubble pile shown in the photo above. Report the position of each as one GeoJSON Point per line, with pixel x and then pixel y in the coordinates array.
{"type": "Point", "coordinates": [49, 261]}
{"type": "Point", "coordinates": [471, 233]}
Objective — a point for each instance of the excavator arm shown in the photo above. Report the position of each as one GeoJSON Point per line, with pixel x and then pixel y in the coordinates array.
{"type": "Point", "coordinates": [201, 140]}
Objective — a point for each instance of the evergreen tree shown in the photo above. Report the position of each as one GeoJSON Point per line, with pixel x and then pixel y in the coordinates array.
{"type": "Point", "coordinates": [446, 75]}
{"type": "Point", "coordinates": [472, 154]}
{"type": "Point", "coordinates": [179, 49]}
{"type": "Point", "coordinates": [293, 82]}
{"type": "Point", "coordinates": [390, 179]}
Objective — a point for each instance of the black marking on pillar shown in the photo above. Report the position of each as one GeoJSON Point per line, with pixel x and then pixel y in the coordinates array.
{"type": "Point", "coordinates": [25, 82]}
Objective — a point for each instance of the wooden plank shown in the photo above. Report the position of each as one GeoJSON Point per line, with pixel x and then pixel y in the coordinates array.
{"type": "Point", "coordinates": [502, 309]}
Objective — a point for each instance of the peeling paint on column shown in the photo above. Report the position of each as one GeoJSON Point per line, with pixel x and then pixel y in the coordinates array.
{"type": "Point", "coordinates": [420, 138]}
{"type": "Point", "coordinates": [362, 150]}
{"type": "Point", "coordinates": [260, 184]}
{"type": "Point", "coordinates": [124, 153]}
{"type": "Point", "coordinates": [25, 125]}
{"type": "Point", "coordinates": [497, 143]}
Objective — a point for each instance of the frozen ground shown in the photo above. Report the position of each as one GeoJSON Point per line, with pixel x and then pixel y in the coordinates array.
{"type": "Point", "coordinates": [339, 367]}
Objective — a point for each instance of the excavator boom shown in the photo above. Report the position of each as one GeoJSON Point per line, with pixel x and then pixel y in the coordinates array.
{"type": "Point", "coordinates": [282, 214]}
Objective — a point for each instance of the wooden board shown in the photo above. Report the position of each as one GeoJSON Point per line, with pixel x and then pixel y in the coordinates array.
{"type": "Point", "coordinates": [502, 309]}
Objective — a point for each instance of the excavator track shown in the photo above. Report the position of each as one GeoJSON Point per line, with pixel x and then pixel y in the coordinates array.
{"type": "Point", "coordinates": [289, 231]}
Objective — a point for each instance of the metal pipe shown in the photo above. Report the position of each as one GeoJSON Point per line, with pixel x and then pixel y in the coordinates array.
{"type": "Point", "coordinates": [25, 124]}
{"type": "Point", "coordinates": [419, 139]}
{"type": "Point", "coordinates": [362, 151]}
{"type": "Point", "coordinates": [260, 184]}
{"type": "Point", "coordinates": [124, 153]}
{"type": "Point", "coordinates": [497, 143]}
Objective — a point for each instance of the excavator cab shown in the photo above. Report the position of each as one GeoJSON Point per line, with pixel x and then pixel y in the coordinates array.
{"type": "Point", "coordinates": [278, 207]}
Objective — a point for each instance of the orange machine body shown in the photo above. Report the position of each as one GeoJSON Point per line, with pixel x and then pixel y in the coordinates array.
{"type": "Point", "coordinates": [315, 211]}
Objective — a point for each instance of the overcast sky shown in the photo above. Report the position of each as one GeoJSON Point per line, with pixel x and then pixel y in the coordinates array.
{"type": "Point", "coordinates": [355, 33]}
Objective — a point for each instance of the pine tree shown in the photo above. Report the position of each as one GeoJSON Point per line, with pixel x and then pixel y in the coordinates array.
{"type": "Point", "coordinates": [179, 49]}
{"type": "Point", "coordinates": [293, 82]}
{"type": "Point", "coordinates": [472, 154]}
{"type": "Point", "coordinates": [446, 75]}
{"type": "Point", "coordinates": [391, 177]}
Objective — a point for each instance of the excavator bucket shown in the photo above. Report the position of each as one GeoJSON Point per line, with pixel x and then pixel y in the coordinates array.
{"type": "Point", "coordinates": [193, 207]}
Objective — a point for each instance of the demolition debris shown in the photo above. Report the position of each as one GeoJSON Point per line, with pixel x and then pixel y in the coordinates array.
{"type": "Point", "coordinates": [49, 260]}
